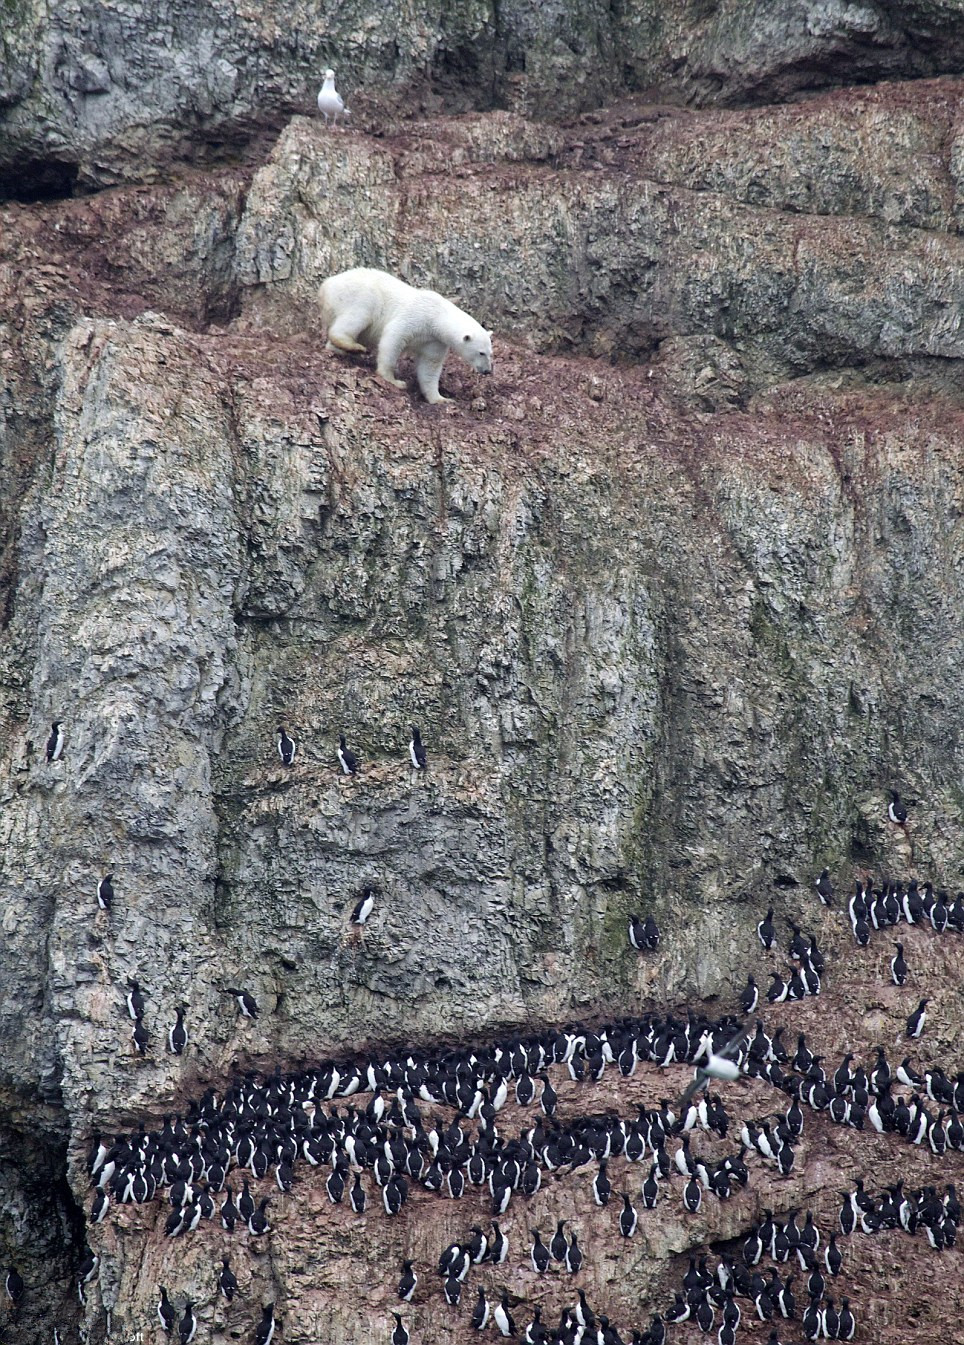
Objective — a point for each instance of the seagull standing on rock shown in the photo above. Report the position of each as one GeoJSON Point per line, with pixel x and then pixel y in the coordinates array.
{"type": "Point", "coordinates": [330, 102]}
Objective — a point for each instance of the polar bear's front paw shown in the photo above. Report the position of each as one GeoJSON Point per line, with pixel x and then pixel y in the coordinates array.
{"type": "Point", "coordinates": [392, 381]}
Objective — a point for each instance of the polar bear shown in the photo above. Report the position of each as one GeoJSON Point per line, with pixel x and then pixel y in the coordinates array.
{"type": "Point", "coordinates": [363, 308]}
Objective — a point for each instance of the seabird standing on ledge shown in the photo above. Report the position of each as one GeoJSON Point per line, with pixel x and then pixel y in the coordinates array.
{"type": "Point", "coordinates": [227, 1280]}
{"type": "Point", "coordinates": [105, 892]}
{"type": "Point", "coordinates": [407, 1283]}
{"type": "Point", "coordinates": [14, 1285]}
{"type": "Point", "coordinates": [135, 1000]}
{"type": "Point", "coordinates": [539, 1253]}
{"type": "Point", "coordinates": [628, 1218]}
{"type": "Point", "coordinates": [416, 751]}
{"type": "Point", "coordinates": [330, 102]}
{"type": "Point", "coordinates": [177, 1034]}
{"type": "Point", "coordinates": [266, 1326]}
{"type": "Point", "coordinates": [364, 907]}
{"type": "Point", "coordinates": [898, 966]}
{"type": "Point", "coordinates": [346, 757]}
{"type": "Point", "coordinates": [165, 1312]}
{"type": "Point", "coordinates": [574, 1257]}
{"type": "Point", "coordinates": [502, 1317]}
{"type": "Point", "coordinates": [749, 996]}
{"type": "Point", "coordinates": [896, 810]}
{"type": "Point", "coordinates": [287, 747]}
{"type": "Point", "coordinates": [915, 1023]}
{"type": "Point", "coordinates": [246, 1003]}
{"type": "Point", "coordinates": [187, 1327]}
{"type": "Point", "coordinates": [480, 1314]}
{"type": "Point", "coordinates": [765, 931]}
{"type": "Point", "coordinates": [55, 743]}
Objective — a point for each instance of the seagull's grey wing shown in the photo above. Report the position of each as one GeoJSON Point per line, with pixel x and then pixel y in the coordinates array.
{"type": "Point", "coordinates": [700, 1080]}
{"type": "Point", "coordinates": [734, 1046]}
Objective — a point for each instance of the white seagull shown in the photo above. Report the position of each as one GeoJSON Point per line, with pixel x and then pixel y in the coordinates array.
{"type": "Point", "coordinates": [330, 102]}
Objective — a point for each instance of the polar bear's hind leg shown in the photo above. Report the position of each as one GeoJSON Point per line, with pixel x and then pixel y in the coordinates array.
{"type": "Point", "coordinates": [390, 348]}
{"type": "Point", "coordinates": [344, 332]}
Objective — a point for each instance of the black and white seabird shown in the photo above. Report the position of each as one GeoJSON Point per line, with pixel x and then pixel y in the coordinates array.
{"type": "Point", "coordinates": [896, 810]}
{"type": "Point", "coordinates": [539, 1253]}
{"type": "Point", "coordinates": [915, 1023]}
{"type": "Point", "coordinates": [846, 1323]}
{"type": "Point", "coordinates": [394, 1194]}
{"type": "Point", "coordinates": [357, 1198]}
{"type": "Point", "coordinates": [825, 888]}
{"type": "Point", "coordinates": [364, 906]}
{"type": "Point", "coordinates": [400, 1333]}
{"type": "Point", "coordinates": [177, 1033]}
{"type": "Point", "coordinates": [335, 1185]}
{"type": "Point", "coordinates": [230, 1213]}
{"type": "Point", "coordinates": [140, 1037]}
{"type": "Point", "coordinates": [105, 892]}
{"type": "Point", "coordinates": [55, 743]}
{"type": "Point", "coordinates": [601, 1186]}
{"type": "Point", "coordinates": [287, 747]}
{"type": "Point", "coordinates": [898, 966]}
{"type": "Point", "coordinates": [749, 996]}
{"type": "Point", "coordinates": [498, 1246]}
{"type": "Point", "coordinates": [14, 1285]}
{"type": "Point", "coordinates": [480, 1314]}
{"type": "Point", "coordinates": [346, 757]}
{"type": "Point", "coordinates": [574, 1256]}
{"type": "Point", "coordinates": [266, 1326]}
{"type": "Point", "coordinates": [165, 1312]}
{"type": "Point", "coordinates": [247, 1005]}
{"type": "Point", "coordinates": [693, 1195]}
{"type": "Point", "coordinates": [628, 1218]}
{"type": "Point", "coordinates": [407, 1282]}
{"type": "Point", "coordinates": [651, 935]}
{"type": "Point", "coordinates": [416, 751]}
{"type": "Point", "coordinates": [86, 1272]}
{"type": "Point", "coordinates": [765, 931]}
{"type": "Point", "coordinates": [227, 1281]}
{"type": "Point", "coordinates": [258, 1223]}
{"type": "Point", "coordinates": [502, 1317]}
{"type": "Point", "coordinates": [187, 1326]}
{"type": "Point", "coordinates": [548, 1097]}
{"type": "Point", "coordinates": [135, 1000]}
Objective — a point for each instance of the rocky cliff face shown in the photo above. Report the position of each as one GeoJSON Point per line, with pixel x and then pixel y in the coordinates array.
{"type": "Point", "coordinates": [675, 596]}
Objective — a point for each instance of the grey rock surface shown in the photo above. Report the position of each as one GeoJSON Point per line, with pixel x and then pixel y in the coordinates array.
{"type": "Point", "coordinates": [675, 597]}
{"type": "Point", "coordinates": [92, 95]}
{"type": "Point", "coordinates": [825, 254]}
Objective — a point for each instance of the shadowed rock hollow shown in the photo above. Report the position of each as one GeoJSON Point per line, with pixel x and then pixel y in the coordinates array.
{"type": "Point", "coordinates": [675, 598]}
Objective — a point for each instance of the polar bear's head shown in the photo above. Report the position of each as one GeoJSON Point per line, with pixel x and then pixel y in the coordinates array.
{"type": "Point", "coordinates": [476, 349]}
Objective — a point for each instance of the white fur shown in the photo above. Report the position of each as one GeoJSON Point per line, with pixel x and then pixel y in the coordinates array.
{"type": "Point", "coordinates": [364, 309]}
